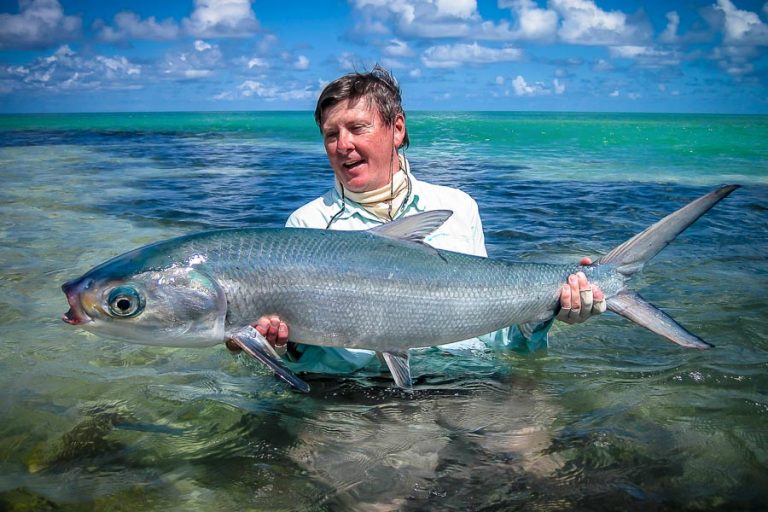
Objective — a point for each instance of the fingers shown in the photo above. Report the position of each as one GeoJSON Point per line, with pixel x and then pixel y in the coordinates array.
{"type": "Point", "coordinates": [599, 305]}
{"type": "Point", "coordinates": [579, 299]}
{"type": "Point", "coordinates": [273, 329]}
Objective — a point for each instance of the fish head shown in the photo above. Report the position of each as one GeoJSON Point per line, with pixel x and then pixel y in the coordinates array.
{"type": "Point", "coordinates": [178, 305]}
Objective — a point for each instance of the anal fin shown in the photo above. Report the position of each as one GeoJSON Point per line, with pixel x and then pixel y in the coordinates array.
{"type": "Point", "coordinates": [257, 346]}
{"type": "Point", "coordinates": [397, 362]}
{"type": "Point", "coordinates": [632, 306]}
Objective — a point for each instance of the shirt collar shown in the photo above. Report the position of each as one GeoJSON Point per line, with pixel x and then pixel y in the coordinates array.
{"type": "Point", "coordinates": [351, 208]}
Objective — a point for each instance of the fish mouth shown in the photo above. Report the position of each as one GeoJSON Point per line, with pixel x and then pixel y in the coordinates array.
{"type": "Point", "coordinates": [76, 314]}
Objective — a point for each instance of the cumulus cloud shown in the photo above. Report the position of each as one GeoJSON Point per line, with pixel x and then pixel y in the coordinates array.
{"type": "Point", "coordinates": [452, 56]}
{"type": "Point", "coordinates": [255, 88]}
{"type": "Point", "coordinates": [646, 56]}
{"type": "Point", "coordinates": [583, 22]}
{"type": "Point", "coordinates": [39, 24]}
{"type": "Point", "coordinates": [744, 35]}
{"type": "Point", "coordinates": [66, 70]}
{"type": "Point", "coordinates": [571, 21]}
{"type": "Point", "coordinates": [742, 27]}
{"type": "Point", "coordinates": [397, 48]}
{"type": "Point", "coordinates": [128, 26]}
{"type": "Point", "coordinates": [417, 18]}
{"type": "Point", "coordinates": [670, 32]}
{"type": "Point", "coordinates": [221, 18]}
{"type": "Point", "coordinates": [200, 62]}
{"type": "Point", "coordinates": [522, 88]}
{"type": "Point", "coordinates": [533, 22]}
{"type": "Point", "coordinates": [301, 62]}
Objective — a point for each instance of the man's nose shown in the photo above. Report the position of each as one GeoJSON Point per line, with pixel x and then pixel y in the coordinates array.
{"type": "Point", "coordinates": [344, 143]}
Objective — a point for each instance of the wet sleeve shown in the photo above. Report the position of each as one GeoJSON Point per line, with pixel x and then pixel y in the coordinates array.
{"type": "Point", "coordinates": [315, 359]}
{"type": "Point", "coordinates": [520, 338]}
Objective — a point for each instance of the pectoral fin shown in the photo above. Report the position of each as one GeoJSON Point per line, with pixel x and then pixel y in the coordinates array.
{"type": "Point", "coordinates": [397, 362]}
{"type": "Point", "coordinates": [255, 345]}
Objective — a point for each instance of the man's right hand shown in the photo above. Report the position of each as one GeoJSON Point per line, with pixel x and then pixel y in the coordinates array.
{"type": "Point", "coordinates": [273, 329]}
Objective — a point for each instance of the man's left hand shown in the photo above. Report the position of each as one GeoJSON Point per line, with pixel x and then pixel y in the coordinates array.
{"type": "Point", "coordinates": [579, 299]}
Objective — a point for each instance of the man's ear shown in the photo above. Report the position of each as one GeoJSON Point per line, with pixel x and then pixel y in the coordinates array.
{"type": "Point", "coordinates": [398, 130]}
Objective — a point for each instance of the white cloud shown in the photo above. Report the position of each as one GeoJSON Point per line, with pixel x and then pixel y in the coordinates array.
{"type": "Point", "coordinates": [221, 18]}
{"type": "Point", "coordinates": [40, 23]}
{"type": "Point", "coordinates": [416, 18]}
{"type": "Point", "coordinates": [602, 65]}
{"type": "Point", "coordinates": [646, 56]}
{"type": "Point", "coordinates": [670, 32]}
{"type": "Point", "coordinates": [257, 62]}
{"type": "Point", "coordinates": [583, 22]}
{"type": "Point", "coordinates": [67, 70]}
{"type": "Point", "coordinates": [302, 62]}
{"type": "Point", "coordinates": [744, 35]}
{"type": "Point", "coordinates": [192, 65]}
{"type": "Point", "coordinates": [128, 26]}
{"type": "Point", "coordinates": [523, 88]}
{"type": "Point", "coordinates": [533, 22]}
{"type": "Point", "coordinates": [348, 61]}
{"type": "Point", "coordinates": [201, 45]}
{"type": "Point", "coordinates": [742, 27]}
{"type": "Point", "coordinates": [397, 48]}
{"type": "Point", "coordinates": [118, 66]}
{"type": "Point", "coordinates": [254, 88]}
{"type": "Point", "coordinates": [464, 9]}
{"type": "Point", "coordinates": [451, 56]}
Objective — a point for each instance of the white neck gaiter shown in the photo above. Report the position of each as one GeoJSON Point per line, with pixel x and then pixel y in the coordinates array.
{"type": "Point", "coordinates": [383, 202]}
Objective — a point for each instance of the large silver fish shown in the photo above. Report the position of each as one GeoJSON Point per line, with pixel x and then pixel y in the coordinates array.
{"type": "Point", "coordinates": [382, 289]}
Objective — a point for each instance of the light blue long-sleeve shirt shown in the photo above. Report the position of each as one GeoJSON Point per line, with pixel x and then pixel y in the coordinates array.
{"type": "Point", "coordinates": [462, 232]}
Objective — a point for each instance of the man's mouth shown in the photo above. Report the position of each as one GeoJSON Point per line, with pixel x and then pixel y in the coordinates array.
{"type": "Point", "coordinates": [353, 164]}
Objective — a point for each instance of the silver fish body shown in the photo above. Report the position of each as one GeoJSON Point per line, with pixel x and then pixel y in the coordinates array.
{"type": "Point", "coordinates": [335, 288]}
{"type": "Point", "coordinates": [383, 289]}
{"type": "Point", "coordinates": [361, 290]}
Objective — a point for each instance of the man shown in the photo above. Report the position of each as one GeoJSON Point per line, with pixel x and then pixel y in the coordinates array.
{"type": "Point", "coordinates": [362, 122]}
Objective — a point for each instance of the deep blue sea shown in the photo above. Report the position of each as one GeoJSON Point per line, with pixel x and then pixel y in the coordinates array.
{"type": "Point", "coordinates": [609, 417]}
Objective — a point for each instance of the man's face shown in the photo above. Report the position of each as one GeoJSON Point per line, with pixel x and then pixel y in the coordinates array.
{"type": "Point", "coordinates": [359, 145]}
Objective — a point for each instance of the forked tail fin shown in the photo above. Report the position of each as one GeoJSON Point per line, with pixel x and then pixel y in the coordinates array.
{"type": "Point", "coordinates": [631, 256]}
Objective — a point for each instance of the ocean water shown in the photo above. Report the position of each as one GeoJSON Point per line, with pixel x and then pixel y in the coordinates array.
{"type": "Point", "coordinates": [609, 417]}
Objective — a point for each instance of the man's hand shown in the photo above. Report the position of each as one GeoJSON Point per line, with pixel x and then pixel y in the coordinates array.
{"type": "Point", "coordinates": [273, 329]}
{"type": "Point", "coordinates": [580, 300]}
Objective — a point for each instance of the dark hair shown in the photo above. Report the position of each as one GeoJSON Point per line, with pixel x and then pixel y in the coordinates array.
{"type": "Point", "coordinates": [377, 86]}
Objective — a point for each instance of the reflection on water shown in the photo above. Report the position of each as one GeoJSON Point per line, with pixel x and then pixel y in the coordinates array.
{"type": "Point", "coordinates": [610, 417]}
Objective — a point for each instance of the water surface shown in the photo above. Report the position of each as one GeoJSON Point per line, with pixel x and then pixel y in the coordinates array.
{"type": "Point", "coordinates": [609, 417]}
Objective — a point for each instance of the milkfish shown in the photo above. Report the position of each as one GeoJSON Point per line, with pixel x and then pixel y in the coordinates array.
{"type": "Point", "coordinates": [382, 289]}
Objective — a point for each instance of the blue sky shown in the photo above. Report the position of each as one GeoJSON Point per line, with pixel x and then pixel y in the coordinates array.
{"type": "Point", "coordinates": [566, 55]}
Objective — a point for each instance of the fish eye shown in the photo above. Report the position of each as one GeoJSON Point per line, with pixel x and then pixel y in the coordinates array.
{"type": "Point", "coordinates": [125, 302]}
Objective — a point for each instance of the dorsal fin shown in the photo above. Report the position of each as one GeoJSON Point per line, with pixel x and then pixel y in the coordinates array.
{"type": "Point", "coordinates": [414, 228]}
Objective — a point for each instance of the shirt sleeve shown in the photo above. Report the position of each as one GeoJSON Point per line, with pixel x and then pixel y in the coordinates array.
{"type": "Point", "coordinates": [519, 338]}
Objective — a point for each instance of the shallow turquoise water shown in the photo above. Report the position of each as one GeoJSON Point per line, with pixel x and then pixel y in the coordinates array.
{"type": "Point", "coordinates": [609, 417]}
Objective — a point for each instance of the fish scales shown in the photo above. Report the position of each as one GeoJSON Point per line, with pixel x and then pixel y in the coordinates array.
{"type": "Point", "coordinates": [356, 289]}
